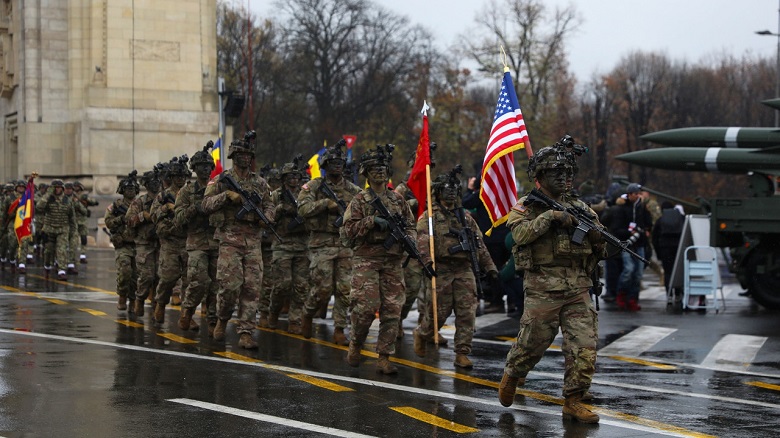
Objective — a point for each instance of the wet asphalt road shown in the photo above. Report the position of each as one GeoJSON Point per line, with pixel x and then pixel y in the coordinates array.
{"type": "Point", "coordinates": [71, 365]}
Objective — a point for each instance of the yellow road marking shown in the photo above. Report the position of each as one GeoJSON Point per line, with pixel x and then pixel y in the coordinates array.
{"type": "Point", "coordinates": [434, 420]}
{"type": "Point", "coordinates": [235, 356]}
{"type": "Point", "coordinates": [94, 312]}
{"type": "Point", "coordinates": [506, 338]}
{"type": "Point", "coordinates": [320, 382]}
{"type": "Point", "coordinates": [764, 385]}
{"type": "Point", "coordinates": [177, 338]}
{"type": "Point", "coordinates": [644, 362]}
{"type": "Point", "coordinates": [94, 289]}
{"type": "Point", "coordinates": [13, 289]}
{"type": "Point", "coordinates": [129, 323]}
{"type": "Point", "coordinates": [55, 301]}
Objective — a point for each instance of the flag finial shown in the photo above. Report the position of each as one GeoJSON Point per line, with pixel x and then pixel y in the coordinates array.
{"type": "Point", "coordinates": [425, 108]}
{"type": "Point", "coordinates": [503, 57]}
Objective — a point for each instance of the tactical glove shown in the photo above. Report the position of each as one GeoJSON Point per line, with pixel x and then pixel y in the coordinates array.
{"type": "Point", "coordinates": [234, 197]}
{"type": "Point", "coordinates": [333, 206]}
{"type": "Point", "coordinates": [381, 223]}
{"type": "Point", "coordinates": [428, 270]}
{"type": "Point", "coordinates": [595, 237]}
{"type": "Point", "coordinates": [564, 219]}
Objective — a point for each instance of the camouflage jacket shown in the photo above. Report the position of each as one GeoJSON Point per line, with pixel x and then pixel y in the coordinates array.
{"type": "Point", "coordinates": [121, 234]}
{"type": "Point", "coordinates": [189, 215]}
{"type": "Point", "coordinates": [80, 210]}
{"type": "Point", "coordinates": [144, 230]}
{"type": "Point", "coordinates": [162, 216]}
{"type": "Point", "coordinates": [545, 252]}
{"type": "Point", "coordinates": [313, 207]}
{"type": "Point", "coordinates": [230, 229]}
{"type": "Point", "coordinates": [60, 215]}
{"type": "Point", "coordinates": [367, 239]}
{"type": "Point", "coordinates": [295, 239]}
{"type": "Point", "coordinates": [445, 236]}
{"type": "Point", "coordinates": [8, 211]}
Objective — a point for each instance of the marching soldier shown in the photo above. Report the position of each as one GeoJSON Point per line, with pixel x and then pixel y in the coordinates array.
{"type": "Point", "coordinates": [81, 220]}
{"type": "Point", "coordinates": [270, 276]}
{"type": "Point", "coordinates": [240, 263]}
{"type": "Point", "coordinates": [202, 248]}
{"type": "Point", "coordinates": [290, 259]}
{"type": "Point", "coordinates": [59, 219]}
{"type": "Point", "coordinates": [378, 279]}
{"type": "Point", "coordinates": [123, 240]}
{"type": "Point", "coordinates": [173, 252]}
{"type": "Point", "coordinates": [331, 262]}
{"type": "Point", "coordinates": [147, 246]}
{"type": "Point", "coordinates": [456, 289]}
{"type": "Point", "coordinates": [74, 238]}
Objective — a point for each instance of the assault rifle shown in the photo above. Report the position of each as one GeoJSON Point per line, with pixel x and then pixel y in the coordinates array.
{"type": "Point", "coordinates": [397, 225]}
{"type": "Point", "coordinates": [585, 224]}
{"type": "Point", "coordinates": [252, 201]}
{"type": "Point", "coordinates": [119, 210]}
{"type": "Point", "coordinates": [467, 242]}
{"type": "Point", "coordinates": [288, 197]}
{"type": "Point", "coordinates": [168, 198]}
{"type": "Point", "coordinates": [327, 191]}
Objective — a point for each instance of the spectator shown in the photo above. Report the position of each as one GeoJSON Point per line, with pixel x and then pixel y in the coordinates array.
{"type": "Point", "coordinates": [666, 237]}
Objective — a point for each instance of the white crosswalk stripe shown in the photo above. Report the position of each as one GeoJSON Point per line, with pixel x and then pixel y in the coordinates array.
{"type": "Point", "coordinates": [638, 341]}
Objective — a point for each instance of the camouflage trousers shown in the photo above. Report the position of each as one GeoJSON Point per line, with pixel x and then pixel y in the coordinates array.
{"type": "Point", "coordinates": [11, 251]}
{"type": "Point", "coordinates": [146, 257]}
{"type": "Point", "coordinates": [55, 249]}
{"type": "Point", "coordinates": [330, 271]}
{"type": "Point", "coordinates": [4, 235]}
{"type": "Point", "coordinates": [25, 249]}
{"type": "Point", "coordinates": [240, 277]}
{"type": "Point", "coordinates": [126, 274]}
{"type": "Point", "coordinates": [377, 285]}
{"type": "Point", "coordinates": [415, 289]}
{"type": "Point", "coordinates": [202, 279]}
{"type": "Point", "coordinates": [544, 313]}
{"type": "Point", "coordinates": [74, 246]}
{"type": "Point", "coordinates": [455, 292]}
{"type": "Point", "coordinates": [173, 267]}
{"type": "Point", "coordinates": [293, 267]}
{"type": "Point", "coordinates": [270, 279]}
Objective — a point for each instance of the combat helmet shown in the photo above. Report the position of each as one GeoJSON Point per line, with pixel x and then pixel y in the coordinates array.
{"type": "Point", "coordinates": [562, 154]}
{"type": "Point", "coordinates": [178, 166]}
{"type": "Point", "coordinates": [244, 145]}
{"type": "Point", "coordinates": [128, 182]}
{"type": "Point", "coordinates": [54, 183]}
{"type": "Point", "coordinates": [203, 156]}
{"type": "Point", "coordinates": [150, 177]}
{"type": "Point", "coordinates": [382, 155]}
{"type": "Point", "coordinates": [333, 153]}
{"type": "Point", "coordinates": [449, 179]}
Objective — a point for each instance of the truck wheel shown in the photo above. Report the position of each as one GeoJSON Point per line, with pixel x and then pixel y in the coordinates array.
{"type": "Point", "coordinates": [763, 267]}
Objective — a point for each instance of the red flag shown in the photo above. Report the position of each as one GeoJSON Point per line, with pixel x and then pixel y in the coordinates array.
{"type": "Point", "coordinates": [498, 190]}
{"type": "Point", "coordinates": [418, 182]}
{"type": "Point", "coordinates": [216, 154]}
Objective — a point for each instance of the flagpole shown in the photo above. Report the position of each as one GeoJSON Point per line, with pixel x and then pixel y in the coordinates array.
{"type": "Point", "coordinates": [433, 256]}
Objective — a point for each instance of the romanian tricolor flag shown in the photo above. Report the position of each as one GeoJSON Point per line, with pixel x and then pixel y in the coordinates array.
{"type": "Point", "coordinates": [314, 164]}
{"type": "Point", "coordinates": [216, 154]}
{"type": "Point", "coordinates": [25, 211]}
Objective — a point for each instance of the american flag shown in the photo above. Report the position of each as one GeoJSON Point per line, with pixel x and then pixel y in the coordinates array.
{"type": "Point", "coordinates": [498, 190]}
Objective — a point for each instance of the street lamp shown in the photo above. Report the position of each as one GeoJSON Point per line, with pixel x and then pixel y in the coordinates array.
{"type": "Point", "coordinates": [777, 67]}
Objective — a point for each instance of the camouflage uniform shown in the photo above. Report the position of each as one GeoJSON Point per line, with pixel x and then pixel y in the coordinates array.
{"type": "Point", "coordinates": [271, 277]}
{"type": "Point", "coordinates": [330, 261]}
{"type": "Point", "coordinates": [202, 250]}
{"type": "Point", "coordinates": [456, 288]}
{"type": "Point", "coordinates": [557, 280]}
{"type": "Point", "coordinates": [122, 236]}
{"type": "Point", "coordinates": [240, 263]}
{"type": "Point", "coordinates": [173, 240]}
{"type": "Point", "coordinates": [147, 246]}
{"type": "Point", "coordinates": [60, 219]}
{"type": "Point", "coordinates": [81, 219]}
{"type": "Point", "coordinates": [377, 281]}
{"type": "Point", "coordinates": [10, 243]}
{"type": "Point", "coordinates": [74, 239]}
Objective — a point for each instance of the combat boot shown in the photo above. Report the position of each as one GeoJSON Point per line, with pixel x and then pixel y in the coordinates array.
{"type": "Point", "coordinates": [419, 343]}
{"type": "Point", "coordinates": [273, 320]}
{"type": "Point", "coordinates": [263, 321]}
{"type": "Point", "coordinates": [507, 389]}
{"type": "Point", "coordinates": [353, 356]}
{"type": "Point", "coordinates": [442, 340]}
{"type": "Point", "coordinates": [219, 330]}
{"type": "Point", "coordinates": [185, 319]}
{"type": "Point", "coordinates": [247, 342]}
{"type": "Point", "coordinates": [306, 326]}
{"type": "Point", "coordinates": [139, 307]}
{"type": "Point", "coordinates": [212, 326]}
{"type": "Point", "coordinates": [159, 313]}
{"type": "Point", "coordinates": [72, 269]}
{"type": "Point", "coordinates": [462, 361]}
{"type": "Point", "coordinates": [61, 275]}
{"type": "Point", "coordinates": [83, 259]}
{"type": "Point", "coordinates": [22, 269]}
{"type": "Point", "coordinates": [294, 329]}
{"type": "Point", "coordinates": [400, 334]}
{"type": "Point", "coordinates": [573, 409]}
{"type": "Point", "coordinates": [121, 302]}
{"type": "Point", "coordinates": [338, 337]}
{"type": "Point", "coordinates": [175, 299]}
{"type": "Point", "coordinates": [384, 366]}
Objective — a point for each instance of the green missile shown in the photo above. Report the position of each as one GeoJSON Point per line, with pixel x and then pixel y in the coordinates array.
{"type": "Point", "coordinates": [716, 137]}
{"type": "Point", "coordinates": [708, 160]}
{"type": "Point", "coordinates": [772, 103]}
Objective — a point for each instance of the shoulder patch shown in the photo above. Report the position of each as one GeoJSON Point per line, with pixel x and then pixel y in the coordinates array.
{"type": "Point", "coordinates": [305, 186]}
{"type": "Point", "coordinates": [520, 208]}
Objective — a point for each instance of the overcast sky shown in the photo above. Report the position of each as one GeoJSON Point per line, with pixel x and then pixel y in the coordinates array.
{"type": "Point", "coordinates": [683, 29]}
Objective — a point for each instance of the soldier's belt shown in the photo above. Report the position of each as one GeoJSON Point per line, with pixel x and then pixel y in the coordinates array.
{"type": "Point", "coordinates": [566, 263]}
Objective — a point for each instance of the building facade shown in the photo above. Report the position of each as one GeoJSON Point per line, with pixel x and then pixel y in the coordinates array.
{"type": "Point", "coordinates": [92, 89]}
